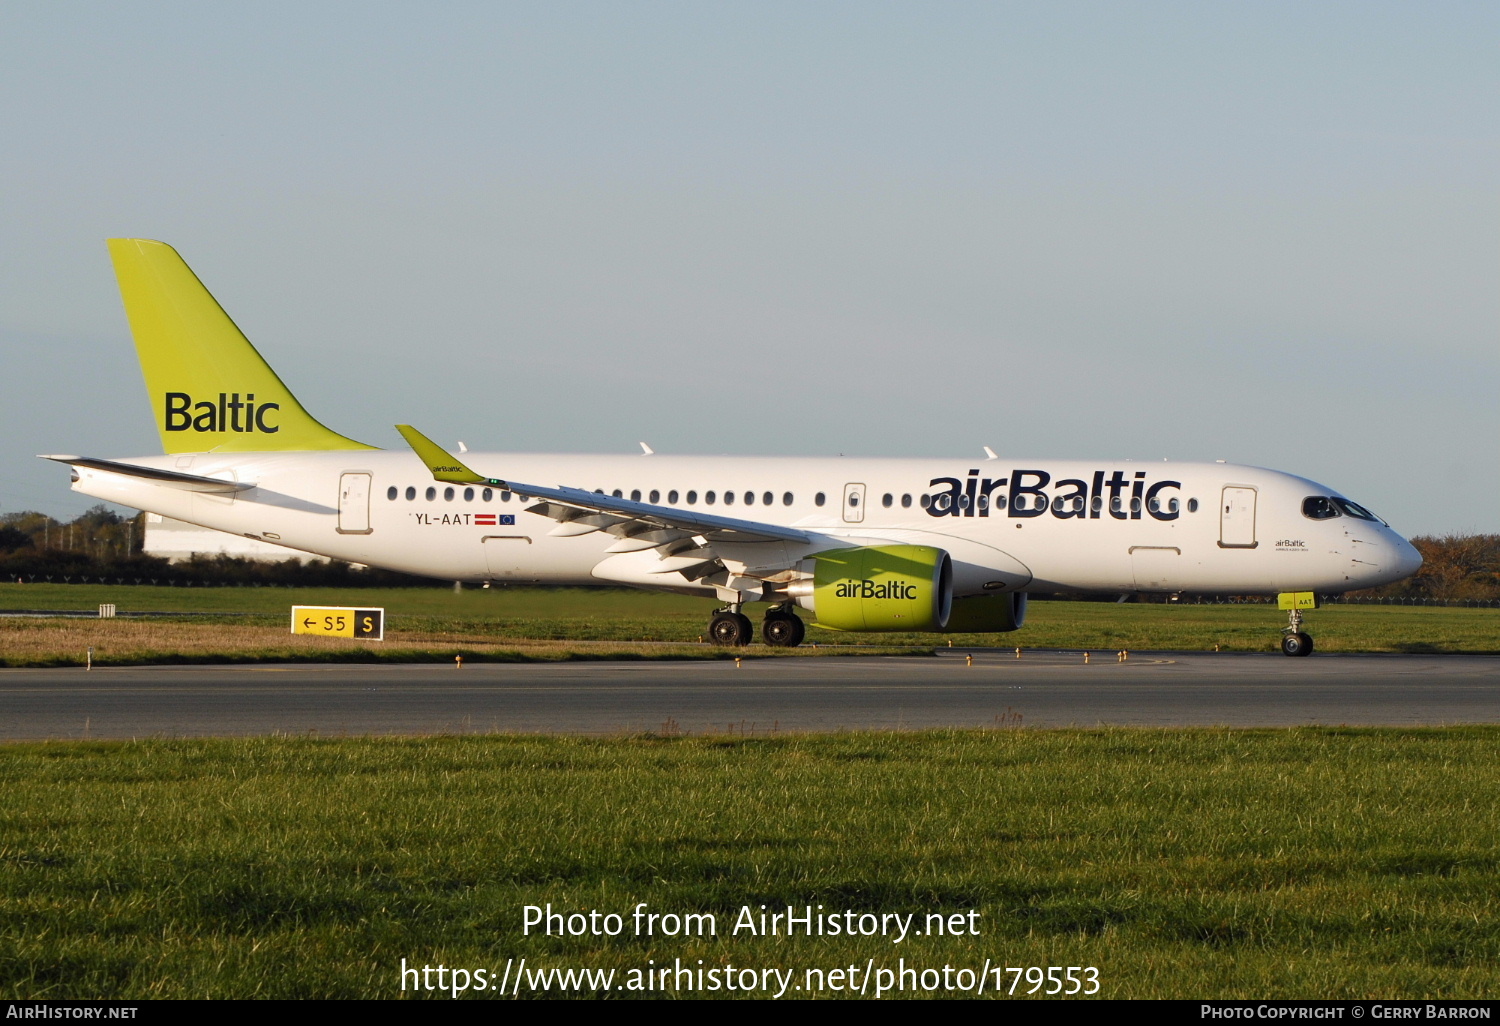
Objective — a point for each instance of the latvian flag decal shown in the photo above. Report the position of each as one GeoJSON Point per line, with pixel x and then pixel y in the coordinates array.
{"type": "Point", "coordinates": [488, 520]}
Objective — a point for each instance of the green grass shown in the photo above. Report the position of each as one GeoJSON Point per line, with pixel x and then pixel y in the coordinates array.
{"type": "Point", "coordinates": [504, 615]}
{"type": "Point", "coordinates": [1185, 863]}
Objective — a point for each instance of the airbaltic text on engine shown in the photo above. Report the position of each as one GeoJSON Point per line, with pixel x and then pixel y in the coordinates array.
{"type": "Point", "coordinates": [871, 590]}
{"type": "Point", "coordinates": [1025, 494]}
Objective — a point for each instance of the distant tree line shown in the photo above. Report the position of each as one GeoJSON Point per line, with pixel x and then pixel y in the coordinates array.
{"type": "Point", "coordinates": [1455, 567]}
{"type": "Point", "coordinates": [100, 546]}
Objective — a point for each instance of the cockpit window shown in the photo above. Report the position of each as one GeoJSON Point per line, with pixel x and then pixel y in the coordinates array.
{"type": "Point", "coordinates": [1357, 511]}
{"type": "Point", "coordinates": [1319, 507]}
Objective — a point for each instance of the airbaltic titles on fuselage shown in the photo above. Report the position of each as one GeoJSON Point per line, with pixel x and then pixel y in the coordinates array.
{"type": "Point", "coordinates": [1024, 494]}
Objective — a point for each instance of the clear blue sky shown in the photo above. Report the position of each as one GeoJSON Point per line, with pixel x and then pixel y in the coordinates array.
{"type": "Point", "coordinates": [1268, 233]}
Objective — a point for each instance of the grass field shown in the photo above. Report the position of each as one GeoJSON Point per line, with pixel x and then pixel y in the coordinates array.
{"type": "Point", "coordinates": [1187, 863]}
{"type": "Point", "coordinates": [561, 623]}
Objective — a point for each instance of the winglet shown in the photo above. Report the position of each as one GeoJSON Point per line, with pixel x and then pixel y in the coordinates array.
{"type": "Point", "coordinates": [443, 464]}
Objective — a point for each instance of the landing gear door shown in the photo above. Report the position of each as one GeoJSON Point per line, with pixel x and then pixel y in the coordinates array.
{"type": "Point", "coordinates": [354, 503]}
{"type": "Point", "coordinates": [854, 503]}
{"type": "Point", "coordinates": [506, 556]}
{"type": "Point", "coordinates": [1237, 519]}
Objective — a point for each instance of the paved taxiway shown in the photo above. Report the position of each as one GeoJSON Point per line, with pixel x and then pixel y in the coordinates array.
{"type": "Point", "coordinates": [763, 695]}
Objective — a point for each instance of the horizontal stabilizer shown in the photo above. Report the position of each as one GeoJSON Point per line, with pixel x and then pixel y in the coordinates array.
{"type": "Point", "coordinates": [170, 478]}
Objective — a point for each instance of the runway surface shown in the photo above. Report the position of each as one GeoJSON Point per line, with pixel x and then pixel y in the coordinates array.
{"type": "Point", "coordinates": [760, 697]}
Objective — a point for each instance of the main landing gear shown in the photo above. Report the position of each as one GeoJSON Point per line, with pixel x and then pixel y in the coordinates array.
{"type": "Point", "coordinates": [782, 628]}
{"type": "Point", "coordinates": [1293, 641]}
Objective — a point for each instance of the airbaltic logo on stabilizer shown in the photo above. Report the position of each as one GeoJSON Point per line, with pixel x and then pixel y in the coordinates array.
{"type": "Point", "coordinates": [228, 414]}
{"type": "Point", "coordinates": [871, 590]}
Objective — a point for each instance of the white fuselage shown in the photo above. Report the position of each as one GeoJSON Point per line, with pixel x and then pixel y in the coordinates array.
{"type": "Point", "coordinates": [1027, 525]}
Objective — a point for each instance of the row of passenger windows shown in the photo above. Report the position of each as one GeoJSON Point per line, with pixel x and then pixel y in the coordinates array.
{"type": "Point", "coordinates": [654, 496]}
{"type": "Point", "coordinates": [942, 501]}
{"type": "Point", "coordinates": [1061, 504]}
{"type": "Point", "coordinates": [488, 494]}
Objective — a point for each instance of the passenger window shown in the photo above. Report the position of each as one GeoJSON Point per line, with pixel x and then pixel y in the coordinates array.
{"type": "Point", "coordinates": [672, 497]}
{"type": "Point", "coordinates": [749, 498]}
{"type": "Point", "coordinates": [447, 494]}
{"type": "Point", "coordinates": [708, 497]}
{"type": "Point", "coordinates": [729, 498]}
{"type": "Point", "coordinates": [1135, 505]}
{"type": "Point", "coordinates": [819, 499]}
{"type": "Point", "coordinates": [1192, 505]}
{"type": "Point", "coordinates": [1171, 505]}
{"type": "Point", "coordinates": [692, 498]}
{"type": "Point", "coordinates": [411, 493]}
{"type": "Point", "coordinates": [431, 494]}
{"type": "Point", "coordinates": [616, 494]}
{"type": "Point", "coordinates": [1059, 504]}
{"type": "Point", "coordinates": [468, 495]}
{"type": "Point", "coordinates": [926, 501]}
{"type": "Point", "coordinates": [505, 496]}
{"type": "Point", "coordinates": [654, 497]}
{"type": "Point", "coordinates": [886, 500]}
{"type": "Point", "coordinates": [635, 495]}
{"type": "Point", "coordinates": [1000, 502]}
{"type": "Point", "coordinates": [1098, 503]}
{"type": "Point", "coordinates": [767, 499]}
{"type": "Point", "coordinates": [487, 494]}
{"type": "Point", "coordinates": [390, 493]}
{"type": "Point", "coordinates": [1115, 505]}
{"type": "Point", "coordinates": [906, 501]}
{"type": "Point", "coordinates": [786, 499]}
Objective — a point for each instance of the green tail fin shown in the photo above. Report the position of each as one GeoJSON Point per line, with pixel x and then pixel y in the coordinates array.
{"type": "Point", "coordinates": [210, 389]}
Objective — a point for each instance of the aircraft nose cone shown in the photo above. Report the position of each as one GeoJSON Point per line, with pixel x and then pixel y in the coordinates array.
{"type": "Point", "coordinates": [1404, 557]}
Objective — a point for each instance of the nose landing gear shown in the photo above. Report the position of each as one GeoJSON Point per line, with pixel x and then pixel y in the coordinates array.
{"type": "Point", "coordinates": [1293, 641]}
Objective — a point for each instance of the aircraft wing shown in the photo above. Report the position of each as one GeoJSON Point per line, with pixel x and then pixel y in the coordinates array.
{"type": "Point", "coordinates": [638, 525]}
{"type": "Point", "coordinates": [170, 478]}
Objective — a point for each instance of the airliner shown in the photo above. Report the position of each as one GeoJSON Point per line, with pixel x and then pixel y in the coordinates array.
{"type": "Point", "coordinates": [925, 545]}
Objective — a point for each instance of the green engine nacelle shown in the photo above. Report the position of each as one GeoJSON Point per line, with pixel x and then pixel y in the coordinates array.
{"type": "Point", "coordinates": [882, 588]}
{"type": "Point", "coordinates": [987, 614]}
